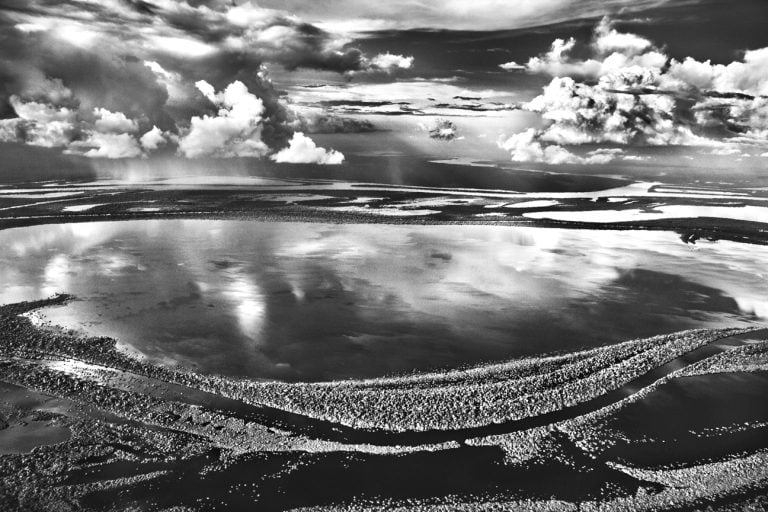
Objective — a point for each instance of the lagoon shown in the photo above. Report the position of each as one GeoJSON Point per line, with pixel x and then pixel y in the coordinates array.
{"type": "Point", "coordinates": [313, 301]}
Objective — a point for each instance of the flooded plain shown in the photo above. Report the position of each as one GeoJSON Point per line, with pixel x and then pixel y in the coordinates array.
{"type": "Point", "coordinates": [311, 301]}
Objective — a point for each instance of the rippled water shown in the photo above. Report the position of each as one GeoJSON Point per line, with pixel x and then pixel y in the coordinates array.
{"type": "Point", "coordinates": [313, 301]}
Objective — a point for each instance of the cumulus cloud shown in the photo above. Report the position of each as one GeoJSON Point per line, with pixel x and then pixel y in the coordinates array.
{"type": "Point", "coordinates": [113, 122]}
{"type": "Point", "coordinates": [526, 146]}
{"type": "Point", "coordinates": [153, 139]}
{"type": "Point", "coordinates": [512, 66]}
{"type": "Point", "coordinates": [109, 135]}
{"type": "Point", "coordinates": [614, 52]}
{"type": "Point", "coordinates": [389, 62]}
{"type": "Point", "coordinates": [234, 131]}
{"type": "Point", "coordinates": [749, 76]}
{"type": "Point", "coordinates": [129, 69]}
{"type": "Point", "coordinates": [108, 145]}
{"type": "Point", "coordinates": [443, 129]}
{"type": "Point", "coordinates": [303, 150]}
{"type": "Point", "coordinates": [580, 114]}
{"type": "Point", "coordinates": [234, 128]}
{"type": "Point", "coordinates": [629, 92]}
{"type": "Point", "coordinates": [606, 155]}
{"type": "Point", "coordinates": [741, 117]}
{"type": "Point", "coordinates": [39, 124]}
{"type": "Point", "coordinates": [99, 133]}
{"type": "Point", "coordinates": [609, 40]}
{"type": "Point", "coordinates": [383, 64]}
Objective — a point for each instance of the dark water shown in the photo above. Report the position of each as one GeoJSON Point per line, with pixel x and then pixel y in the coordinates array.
{"type": "Point", "coordinates": [694, 418]}
{"type": "Point", "coordinates": [22, 426]}
{"type": "Point", "coordinates": [411, 171]}
{"type": "Point", "coordinates": [284, 481]}
{"type": "Point", "coordinates": [663, 429]}
{"type": "Point", "coordinates": [317, 302]}
{"type": "Point", "coordinates": [660, 429]}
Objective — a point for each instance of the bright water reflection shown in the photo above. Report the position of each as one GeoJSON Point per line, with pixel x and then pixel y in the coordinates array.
{"type": "Point", "coordinates": [314, 301]}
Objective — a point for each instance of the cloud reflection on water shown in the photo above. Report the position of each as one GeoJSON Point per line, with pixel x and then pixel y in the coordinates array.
{"type": "Point", "coordinates": [313, 301]}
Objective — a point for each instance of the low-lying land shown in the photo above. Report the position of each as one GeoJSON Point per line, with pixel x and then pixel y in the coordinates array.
{"type": "Point", "coordinates": [133, 424]}
{"type": "Point", "coordinates": [84, 426]}
{"type": "Point", "coordinates": [693, 213]}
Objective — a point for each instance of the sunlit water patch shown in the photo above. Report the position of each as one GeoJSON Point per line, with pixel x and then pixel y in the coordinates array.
{"type": "Point", "coordinates": [313, 301]}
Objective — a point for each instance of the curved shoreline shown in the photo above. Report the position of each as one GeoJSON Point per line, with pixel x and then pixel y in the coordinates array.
{"type": "Point", "coordinates": [216, 392]}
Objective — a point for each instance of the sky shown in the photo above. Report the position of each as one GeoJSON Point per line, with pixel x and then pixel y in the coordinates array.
{"type": "Point", "coordinates": [535, 82]}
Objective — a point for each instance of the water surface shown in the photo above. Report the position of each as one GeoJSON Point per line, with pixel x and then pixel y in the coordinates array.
{"type": "Point", "coordinates": [314, 302]}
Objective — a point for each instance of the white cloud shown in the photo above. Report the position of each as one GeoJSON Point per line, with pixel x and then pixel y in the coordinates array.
{"type": "Point", "coordinates": [751, 115]}
{"type": "Point", "coordinates": [690, 72]}
{"type": "Point", "coordinates": [133, 61]}
{"type": "Point", "coordinates": [103, 134]}
{"type": "Point", "coordinates": [579, 114]}
{"type": "Point", "coordinates": [110, 145]}
{"type": "Point", "coordinates": [49, 135]}
{"type": "Point", "coordinates": [390, 62]}
{"type": "Point", "coordinates": [631, 92]}
{"type": "Point", "coordinates": [559, 155]}
{"type": "Point", "coordinates": [608, 40]}
{"type": "Point", "coordinates": [749, 76]}
{"type": "Point", "coordinates": [725, 151]}
{"type": "Point", "coordinates": [106, 134]}
{"type": "Point", "coordinates": [41, 112]}
{"type": "Point", "coordinates": [526, 146]}
{"type": "Point", "coordinates": [113, 122]}
{"type": "Point", "coordinates": [523, 146]}
{"type": "Point", "coordinates": [235, 131]}
{"type": "Point", "coordinates": [250, 15]}
{"type": "Point", "coordinates": [512, 66]}
{"type": "Point", "coordinates": [182, 46]}
{"type": "Point", "coordinates": [556, 61]}
{"type": "Point", "coordinates": [383, 63]}
{"type": "Point", "coordinates": [153, 139]}
{"type": "Point", "coordinates": [303, 150]}
{"type": "Point", "coordinates": [416, 93]}
{"type": "Point", "coordinates": [39, 124]}
{"type": "Point", "coordinates": [30, 27]}
{"type": "Point", "coordinates": [603, 155]}
{"type": "Point", "coordinates": [614, 53]}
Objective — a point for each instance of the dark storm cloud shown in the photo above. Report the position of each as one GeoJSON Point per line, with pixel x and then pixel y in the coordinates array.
{"type": "Point", "coordinates": [64, 66]}
{"type": "Point", "coordinates": [167, 26]}
{"type": "Point", "coordinates": [49, 164]}
{"type": "Point", "coordinates": [355, 103]}
{"type": "Point", "coordinates": [478, 15]}
{"type": "Point", "coordinates": [330, 123]}
{"type": "Point", "coordinates": [477, 107]}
